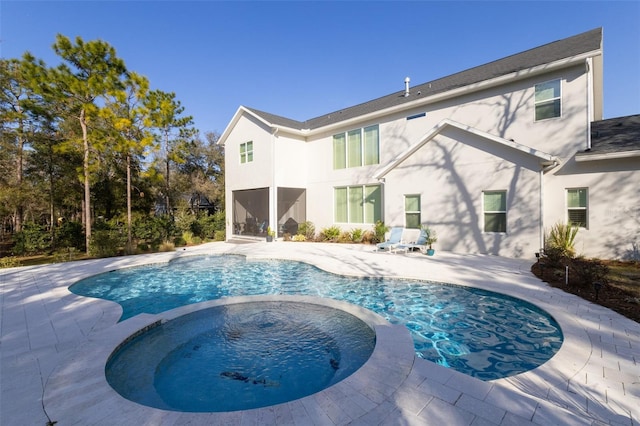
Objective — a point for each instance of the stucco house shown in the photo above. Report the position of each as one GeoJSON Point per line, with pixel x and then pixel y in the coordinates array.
{"type": "Point", "coordinates": [490, 157]}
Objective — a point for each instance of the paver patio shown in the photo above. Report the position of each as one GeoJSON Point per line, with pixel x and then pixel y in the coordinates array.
{"type": "Point", "coordinates": [52, 342]}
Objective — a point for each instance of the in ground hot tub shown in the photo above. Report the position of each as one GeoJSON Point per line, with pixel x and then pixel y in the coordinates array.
{"type": "Point", "coordinates": [238, 356]}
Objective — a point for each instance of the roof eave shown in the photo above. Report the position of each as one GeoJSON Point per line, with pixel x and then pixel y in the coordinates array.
{"type": "Point", "coordinates": [242, 110]}
{"type": "Point", "coordinates": [485, 84]}
{"type": "Point", "coordinates": [584, 157]}
{"type": "Point", "coordinates": [547, 161]}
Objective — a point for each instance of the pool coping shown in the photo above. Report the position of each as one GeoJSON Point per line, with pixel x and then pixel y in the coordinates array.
{"type": "Point", "coordinates": [393, 347]}
{"type": "Point", "coordinates": [594, 378]}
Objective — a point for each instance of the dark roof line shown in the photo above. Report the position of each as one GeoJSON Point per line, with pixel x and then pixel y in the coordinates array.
{"type": "Point", "coordinates": [615, 135]}
{"type": "Point", "coordinates": [551, 52]}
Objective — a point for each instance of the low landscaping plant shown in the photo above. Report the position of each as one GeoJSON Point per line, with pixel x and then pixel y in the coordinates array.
{"type": "Point", "coordinates": [560, 242]}
{"type": "Point", "coordinates": [307, 229]}
{"type": "Point", "coordinates": [380, 230]}
{"type": "Point", "coordinates": [356, 235]}
{"type": "Point", "coordinates": [331, 233]}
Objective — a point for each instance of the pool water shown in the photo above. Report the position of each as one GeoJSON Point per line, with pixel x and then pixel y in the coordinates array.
{"type": "Point", "coordinates": [483, 334]}
{"type": "Point", "coordinates": [240, 356]}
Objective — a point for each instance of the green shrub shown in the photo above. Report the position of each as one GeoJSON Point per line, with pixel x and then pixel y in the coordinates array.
{"type": "Point", "coordinates": [196, 240]}
{"type": "Point", "coordinates": [177, 242]}
{"type": "Point", "coordinates": [184, 219]}
{"type": "Point", "coordinates": [105, 243]}
{"type": "Point", "coordinates": [560, 241]}
{"type": "Point", "coordinates": [187, 236]}
{"type": "Point", "coordinates": [153, 229]}
{"type": "Point", "coordinates": [379, 231]}
{"type": "Point", "coordinates": [307, 229]}
{"type": "Point", "coordinates": [33, 239]}
{"type": "Point", "coordinates": [357, 235]}
{"type": "Point", "coordinates": [9, 262]}
{"type": "Point", "coordinates": [208, 225]}
{"type": "Point", "coordinates": [220, 235]}
{"type": "Point", "coordinates": [331, 233]}
{"type": "Point", "coordinates": [70, 235]}
{"type": "Point", "coordinates": [299, 238]}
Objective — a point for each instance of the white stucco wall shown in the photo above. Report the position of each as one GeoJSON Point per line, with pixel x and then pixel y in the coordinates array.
{"type": "Point", "coordinates": [613, 229]}
{"type": "Point", "coordinates": [451, 171]}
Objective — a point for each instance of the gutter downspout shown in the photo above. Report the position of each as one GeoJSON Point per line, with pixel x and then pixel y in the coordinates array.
{"type": "Point", "coordinates": [589, 67]}
{"type": "Point", "coordinates": [273, 192]}
{"type": "Point", "coordinates": [545, 168]}
{"type": "Point", "coordinates": [541, 209]}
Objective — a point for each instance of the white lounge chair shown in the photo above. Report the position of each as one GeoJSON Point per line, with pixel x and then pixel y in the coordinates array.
{"type": "Point", "coordinates": [395, 238]}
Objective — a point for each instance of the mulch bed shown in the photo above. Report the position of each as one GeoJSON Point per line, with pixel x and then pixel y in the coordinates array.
{"type": "Point", "coordinates": [609, 296]}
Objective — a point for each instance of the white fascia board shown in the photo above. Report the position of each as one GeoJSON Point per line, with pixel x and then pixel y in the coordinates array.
{"type": "Point", "coordinates": [518, 75]}
{"type": "Point", "coordinates": [242, 110]}
{"type": "Point", "coordinates": [526, 73]}
{"type": "Point", "coordinates": [544, 158]}
{"type": "Point", "coordinates": [231, 125]}
{"type": "Point", "coordinates": [583, 157]}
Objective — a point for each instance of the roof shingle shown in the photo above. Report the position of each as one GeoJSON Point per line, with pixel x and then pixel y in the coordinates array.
{"type": "Point", "coordinates": [548, 53]}
{"type": "Point", "coordinates": [615, 135]}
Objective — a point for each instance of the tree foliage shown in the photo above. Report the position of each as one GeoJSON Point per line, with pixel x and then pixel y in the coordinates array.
{"type": "Point", "coordinates": [90, 139]}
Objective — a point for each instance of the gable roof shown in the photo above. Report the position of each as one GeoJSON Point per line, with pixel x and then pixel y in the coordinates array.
{"type": "Point", "coordinates": [540, 59]}
{"type": "Point", "coordinates": [546, 160]}
{"type": "Point", "coordinates": [613, 138]}
{"type": "Point", "coordinates": [569, 47]}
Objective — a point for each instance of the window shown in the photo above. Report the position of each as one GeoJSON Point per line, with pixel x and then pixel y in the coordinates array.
{"type": "Point", "coordinates": [495, 211]}
{"type": "Point", "coordinates": [547, 100]}
{"type": "Point", "coordinates": [355, 148]}
{"type": "Point", "coordinates": [339, 151]}
{"type": "Point", "coordinates": [577, 207]}
{"type": "Point", "coordinates": [412, 211]}
{"type": "Point", "coordinates": [358, 204]}
{"type": "Point", "coordinates": [246, 152]}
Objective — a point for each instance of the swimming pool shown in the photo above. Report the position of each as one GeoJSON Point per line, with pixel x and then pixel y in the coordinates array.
{"type": "Point", "coordinates": [241, 355]}
{"type": "Point", "coordinates": [480, 333]}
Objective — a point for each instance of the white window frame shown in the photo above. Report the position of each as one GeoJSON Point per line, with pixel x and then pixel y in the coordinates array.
{"type": "Point", "coordinates": [558, 98]}
{"type": "Point", "coordinates": [418, 212]}
{"type": "Point", "coordinates": [244, 156]}
{"type": "Point", "coordinates": [485, 212]}
{"type": "Point", "coordinates": [363, 204]}
{"type": "Point", "coordinates": [363, 154]}
{"type": "Point", "coordinates": [579, 208]}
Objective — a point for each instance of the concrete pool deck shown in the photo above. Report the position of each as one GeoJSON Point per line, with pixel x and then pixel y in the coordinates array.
{"type": "Point", "coordinates": [49, 335]}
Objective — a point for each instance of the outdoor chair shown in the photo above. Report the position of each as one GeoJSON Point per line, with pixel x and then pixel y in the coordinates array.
{"type": "Point", "coordinates": [420, 243]}
{"type": "Point", "coordinates": [395, 238]}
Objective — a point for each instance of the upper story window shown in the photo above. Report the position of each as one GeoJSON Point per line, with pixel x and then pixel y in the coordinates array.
{"type": "Point", "coordinates": [577, 207]}
{"type": "Point", "coordinates": [495, 211]}
{"type": "Point", "coordinates": [547, 100]}
{"type": "Point", "coordinates": [355, 148]}
{"type": "Point", "coordinates": [246, 152]}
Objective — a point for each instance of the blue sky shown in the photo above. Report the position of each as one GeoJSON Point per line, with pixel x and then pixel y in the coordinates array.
{"type": "Point", "coordinates": [304, 59]}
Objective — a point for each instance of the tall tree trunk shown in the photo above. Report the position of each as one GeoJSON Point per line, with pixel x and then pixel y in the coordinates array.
{"type": "Point", "coordinates": [51, 198]}
{"type": "Point", "coordinates": [87, 189]}
{"type": "Point", "coordinates": [129, 242]}
{"type": "Point", "coordinates": [166, 156]}
{"type": "Point", "coordinates": [19, 211]}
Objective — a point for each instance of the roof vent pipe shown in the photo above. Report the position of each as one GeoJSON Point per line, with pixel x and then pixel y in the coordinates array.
{"type": "Point", "coordinates": [406, 86]}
